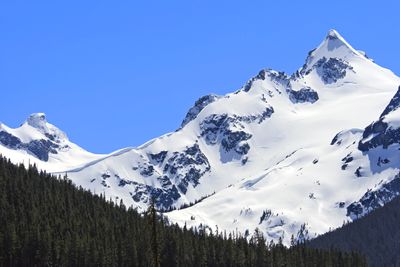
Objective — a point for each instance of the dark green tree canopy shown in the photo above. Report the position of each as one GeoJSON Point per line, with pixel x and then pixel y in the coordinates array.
{"type": "Point", "coordinates": [47, 221]}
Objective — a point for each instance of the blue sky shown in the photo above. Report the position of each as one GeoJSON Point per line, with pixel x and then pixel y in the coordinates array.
{"type": "Point", "coordinates": [113, 74]}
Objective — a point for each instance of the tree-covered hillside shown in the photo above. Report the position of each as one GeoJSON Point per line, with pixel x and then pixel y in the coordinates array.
{"type": "Point", "coordinates": [47, 221]}
{"type": "Point", "coordinates": [377, 235]}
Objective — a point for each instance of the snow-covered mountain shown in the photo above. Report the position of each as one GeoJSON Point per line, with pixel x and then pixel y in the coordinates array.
{"type": "Point", "coordinates": [38, 142]}
{"type": "Point", "coordinates": [294, 154]}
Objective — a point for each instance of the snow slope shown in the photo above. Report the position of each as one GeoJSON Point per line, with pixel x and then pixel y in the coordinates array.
{"type": "Point", "coordinates": [300, 176]}
{"type": "Point", "coordinates": [38, 142]}
{"type": "Point", "coordinates": [291, 155]}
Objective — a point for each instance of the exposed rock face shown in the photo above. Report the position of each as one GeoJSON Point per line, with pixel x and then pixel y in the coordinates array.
{"type": "Point", "coordinates": [275, 76]}
{"type": "Point", "coordinates": [42, 148]}
{"type": "Point", "coordinates": [330, 65]}
{"type": "Point", "coordinates": [187, 167]}
{"type": "Point", "coordinates": [159, 157]}
{"type": "Point", "coordinates": [381, 133]}
{"type": "Point", "coordinates": [393, 105]}
{"type": "Point", "coordinates": [303, 95]}
{"type": "Point", "coordinates": [171, 173]}
{"type": "Point", "coordinates": [331, 70]}
{"type": "Point", "coordinates": [228, 131]}
{"type": "Point", "coordinates": [376, 140]}
{"type": "Point", "coordinates": [199, 105]}
{"type": "Point", "coordinates": [147, 170]}
{"type": "Point", "coordinates": [260, 76]}
{"type": "Point", "coordinates": [9, 140]}
{"type": "Point", "coordinates": [39, 148]}
{"type": "Point", "coordinates": [375, 199]}
{"type": "Point", "coordinates": [165, 197]}
{"type": "Point", "coordinates": [346, 161]}
{"type": "Point", "coordinates": [259, 118]}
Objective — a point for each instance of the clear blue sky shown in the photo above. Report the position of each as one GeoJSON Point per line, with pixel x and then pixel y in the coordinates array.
{"type": "Point", "coordinates": [113, 74]}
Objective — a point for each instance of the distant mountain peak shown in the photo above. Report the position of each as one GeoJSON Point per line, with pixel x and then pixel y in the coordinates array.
{"type": "Point", "coordinates": [37, 120]}
{"type": "Point", "coordinates": [40, 142]}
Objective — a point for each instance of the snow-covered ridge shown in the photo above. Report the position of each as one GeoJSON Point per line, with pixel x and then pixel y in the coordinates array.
{"type": "Point", "coordinates": [38, 142]}
{"type": "Point", "coordinates": [284, 153]}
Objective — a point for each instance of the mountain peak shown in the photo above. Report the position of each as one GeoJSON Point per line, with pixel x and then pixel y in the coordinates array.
{"type": "Point", "coordinates": [333, 34]}
{"type": "Point", "coordinates": [334, 50]}
{"type": "Point", "coordinates": [335, 41]}
{"type": "Point", "coordinates": [37, 120]}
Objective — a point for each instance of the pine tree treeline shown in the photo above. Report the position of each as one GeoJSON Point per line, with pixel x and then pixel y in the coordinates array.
{"type": "Point", "coordinates": [47, 221]}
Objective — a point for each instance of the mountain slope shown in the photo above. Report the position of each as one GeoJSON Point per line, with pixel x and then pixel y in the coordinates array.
{"type": "Point", "coordinates": [41, 143]}
{"type": "Point", "coordinates": [283, 153]}
{"type": "Point", "coordinates": [375, 235]}
{"type": "Point", "coordinates": [309, 167]}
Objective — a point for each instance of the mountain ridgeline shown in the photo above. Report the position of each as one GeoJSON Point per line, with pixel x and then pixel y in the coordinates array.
{"type": "Point", "coordinates": [47, 221]}
{"type": "Point", "coordinates": [282, 153]}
